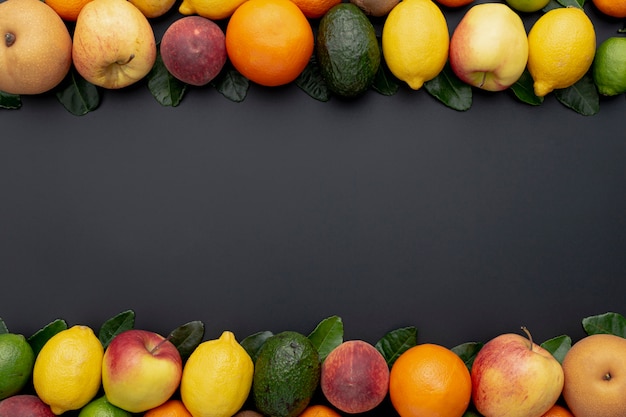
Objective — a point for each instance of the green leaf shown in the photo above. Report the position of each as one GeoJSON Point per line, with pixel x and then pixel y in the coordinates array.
{"type": "Point", "coordinates": [581, 97]}
{"type": "Point", "coordinates": [467, 352]}
{"type": "Point", "coordinates": [607, 323]}
{"type": "Point", "coordinates": [450, 90]}
{"type": "Point", "coordinates": [524, 91]}
{"type": "Point", "coordinates": [165, 88]}
{"type": "Point", "coordinates": [231, 84]}
{"type": "Point", "coordinates": [384, 82]}
{"type": "Point", "coordinates": [396, 342]}
{"type": "Point", "coordinates": [327, 335]}
{"type": "Point", "coordinates": [77, 95]}
{"type": "Point", "coordinates": [3, 327]}
{"type": "Point", "coordinates": [252, 344]}
{"type": "Point", "coordinates": [572, 3]}
{"type": "Point", "coordinates": [558, 346]}
{"type": "Point", "coordinates": [116, 325]}
{"type": "Point", "coordinates": [552, 4]}
{"type": "Point", "coordinates": [187, 337]}
{"type": "Point", "coordinates": [312, 82]}
{"type": "Point", "coordinates": [41, 336]}
{"type": "Point", "coordinates": [10, 101]}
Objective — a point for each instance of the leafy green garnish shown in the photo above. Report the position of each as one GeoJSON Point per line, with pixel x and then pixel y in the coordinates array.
{"type": "Point", "coordinates": [165, 88]}
{"type": "Point", "coordinates": [312, 82]}
{"type": "Point", "coordinates": [231, 84]}
{"type": "Point", "coordinates": [327, 335]}
{"type": "Point", "coordinates": [187, 337]}
{"type": "Point", "coordinates": [581, 97]}
{"type": "Point", "coordinates": [77, 95]}
{"type": "Point", "coordinates": [10, 101]}
{"type": "Point", "coordinates": [41, 336]}
{"type": "Point", "coordinates": [523, 90]}
{"type": "Point", "coordinates": [558, 346]}
{"type": "Point", "coordinates": [450, 90]}
{"type": "Point", "coordinates": [467, 352]}
{"type": "Point", "coordinates": [396, 342]}
{"type": "Point", "coordinates": [607, 323]}
{"type": "Point", "coordinates": [3, 327]}
{"type": "Point", "coordinates": [253, 343]}
{"type": "Point", "coordinates": [116, 325]}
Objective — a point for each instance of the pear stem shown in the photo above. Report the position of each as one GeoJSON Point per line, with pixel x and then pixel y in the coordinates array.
{"type": "Point", "coordinates": [529, 336]}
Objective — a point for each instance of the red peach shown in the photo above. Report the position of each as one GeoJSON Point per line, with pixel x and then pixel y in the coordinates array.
{"type": "Point", "coordinates": [24, 405]}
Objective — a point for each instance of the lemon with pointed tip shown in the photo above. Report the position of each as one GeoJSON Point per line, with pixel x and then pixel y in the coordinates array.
{"type": "Point", "coordinates": [415, 41]}
{"type": "Point", "coordinates": [217, 378]}
{"type": "Point", "coordinates": [153, 8]}
{"type": "Point", "coordinates": [561, 48]}
{"type": "Point", "coordinates": [211, 9]}
{"type": "Point", "coordinates": [68, 369]}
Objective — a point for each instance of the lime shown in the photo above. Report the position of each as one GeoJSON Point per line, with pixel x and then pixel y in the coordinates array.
{"type": "Point", "coordinates": [609, 67]}
{"type": "Point", "coordinates": [101, 407]}
{"type": "Point", "coordinates": [16, 363]}
{"type": "Point", "coordinates": [527, 6]}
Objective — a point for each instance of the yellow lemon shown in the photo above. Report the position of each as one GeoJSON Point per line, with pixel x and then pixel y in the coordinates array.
{"type": "Point", "coordinates": [68, 369]}
{"type": "Point", "coordinates": [217, 378]}
{"type": "Point", "coordinates": [561, 48]}
{"type": "Point", "coordinates": [415, 41]}
{"type": "Point", "coordinates": [153, 8]}
{"type": "Point", "coordinates": [211, 9]}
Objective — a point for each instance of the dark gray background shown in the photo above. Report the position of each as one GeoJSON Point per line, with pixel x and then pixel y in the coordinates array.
{"type": "Point", "coordinates": [277, 212]}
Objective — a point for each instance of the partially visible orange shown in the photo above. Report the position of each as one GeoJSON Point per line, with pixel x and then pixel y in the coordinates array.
{"type": "Point", "coordinates": [558, 411]}
{"type": "Point", "coordinates": [430, 380]}
{"type": "Point", "coordinates": [314, 9]}
{"type": "Point", "coordinates": [454, 3]}
{"type": "Point", "coordinates": [270, 42]}
{"type": "Point", "coordinates": [613, 8]}
{"type": "Point", "coordinates": [319, 410]}
{"type": "Point", "coordinates": [170, 408]}
{"type": "Point", "coordinates": [67, 9]}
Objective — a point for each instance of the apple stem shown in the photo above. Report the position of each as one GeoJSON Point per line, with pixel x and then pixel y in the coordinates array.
{"type": "Point", "coordinates": [9, 39]}
{"type": "Point", "coordinates": [529, 336]}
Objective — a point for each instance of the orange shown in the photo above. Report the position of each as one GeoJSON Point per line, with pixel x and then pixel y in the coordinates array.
{"type": "Point", "coordinates": [269, 42]}
{"type": "Point", "coordinates": [314, 9]}
{"type": "Point", "coordinates": [170, 408]}
{"type": "Point", "coordinates": [614, 8]}
{"type": "Point", "coordinates": [319, 410]}
{"type": "Point", "coordinates": [67, 9]}
{"type": "Point", "coordinates": [454, 3]}
{"type": "Point", "coordinates": [429, 380]}
{"type": "Point", "coordinates": [558, 411]}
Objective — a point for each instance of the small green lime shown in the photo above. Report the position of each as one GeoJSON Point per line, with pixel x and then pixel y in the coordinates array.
{"type": "Point", "coordinates": [16, 363]}
{"type": "Point", "coordinates": [101, 407]}
{"type": "Point", "coordinates": [527, 6]}
{"type": "Point", "coordinates": [609, 67]}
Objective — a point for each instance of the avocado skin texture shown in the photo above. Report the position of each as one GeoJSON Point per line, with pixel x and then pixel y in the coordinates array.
{"type": "Point", "coordinates": [347, 50]}
{"type": "Point", "coordinates": [286, 375]}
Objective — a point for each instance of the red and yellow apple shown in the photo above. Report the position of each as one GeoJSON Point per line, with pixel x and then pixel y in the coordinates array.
{"type": "Point", "coordinates": [355, 377]}
{"type": "Point", "coordinates": [140, 370]}
{"type": "Point", "coordinates": [514, 377]}
{"type": "Point", "coordinates": [114, 44]}
{"type": "Point", "coordinates": [193, 49]}
{"type": "Point", "coordinates": [36, 47]}
{"type": "Point", "coordinates": [489, 47]}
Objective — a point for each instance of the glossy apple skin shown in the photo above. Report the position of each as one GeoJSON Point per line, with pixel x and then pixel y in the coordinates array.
{"type": "Point", "coordinates": [355, 377]}
{"type": "Point", "coordinates": [24, 405]}
{"type": "Point", "coordinates": [489, 47]}
{"type": "Point", "coordinates": [193, 49]}
{"type": "Point", "coordinates": [140, 370]}
{"type": "Point", "coordinates": [114, 44]}
{"type": "Point", "coordinates": [511, 380]}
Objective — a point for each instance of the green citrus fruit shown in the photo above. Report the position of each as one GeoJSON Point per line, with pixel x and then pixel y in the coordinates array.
{"type": "Point", "coordinates": [527, 6]}
{"type": "Point", "coordinates": [609, 67]}
{"type": "Point", "coordinates": [101, 407]}
{"type": "Point", "coordinates": [16, 363]}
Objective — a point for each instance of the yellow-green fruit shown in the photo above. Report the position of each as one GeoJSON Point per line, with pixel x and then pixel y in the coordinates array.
{"type": "Point", "coordinates": [609, 67]}
{"type": "Point", "coordinates": [561, 48]}
{"type": "Point", "coordinates": [16, 363]}
{"type": "Point", "coordinates": [415, 41]}
{"type": "Point", "coordinates": [101, 407]}
{"type": "Point", "coordinates": [68, 369]}
{"type": "Point", "coordinates": [217, 378]}
{"type": "Point", "coordinates": [211, 9]}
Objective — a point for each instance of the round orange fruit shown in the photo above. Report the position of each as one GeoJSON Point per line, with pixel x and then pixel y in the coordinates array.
{"type": "Point", "coordinates": [558, 411]}
{"type": "Point", "coordinates": [170, 408]}
{"type": "Point", "coordinates": [319, 410]}
{"type": "Point", "coordinates": [67, 9]}
{"type": "Point", "coordinates": [270, 42]}
{"type": "Point", "coordinates": [314, 9]}
{"type": "Point", "coordinates": [430, 380]}
{"type": "Point", "coordinates": [613, 8]}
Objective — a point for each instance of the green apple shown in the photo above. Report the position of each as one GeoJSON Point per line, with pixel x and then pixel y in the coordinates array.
{"type": "Point", "coordinates": [528, 6]}
{"type": "Point", "coordinates": [140, 370]}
